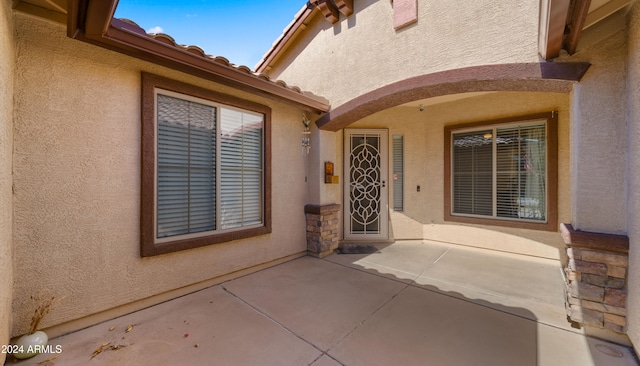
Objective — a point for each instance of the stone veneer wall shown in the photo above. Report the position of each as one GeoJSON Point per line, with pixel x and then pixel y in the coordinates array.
{"type": "Point", "coordinates": [596, 278]}
{"type": "Point", "coordinates": [322, 229]}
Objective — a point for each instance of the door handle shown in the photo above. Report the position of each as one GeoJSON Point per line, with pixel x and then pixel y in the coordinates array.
{"type": "Point", "coordinates": [384, 184]}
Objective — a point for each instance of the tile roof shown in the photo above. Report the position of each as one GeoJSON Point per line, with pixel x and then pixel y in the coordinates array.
{"type": "Point", "coordinates": [166, 39]}
{"type": "Point", "coordinates": [299, 22]}
{"type": "Point", "coordinates": [329, 10]}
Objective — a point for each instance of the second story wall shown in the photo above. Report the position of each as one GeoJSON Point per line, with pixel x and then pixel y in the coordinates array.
{"type": "Point", "coordinates": [363, 52]}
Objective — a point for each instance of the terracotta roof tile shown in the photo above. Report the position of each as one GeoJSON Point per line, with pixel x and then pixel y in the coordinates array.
{"type": "Point", "coordinates": [329, 10]}
{"type": "Point", "coordinates": [131, 26]}
{"type": "Point", "coordinates": [300, 21]}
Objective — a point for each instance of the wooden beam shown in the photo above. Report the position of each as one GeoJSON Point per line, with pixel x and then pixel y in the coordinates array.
{"type": "Point", "coordinates": [575, 24]}
{"type": "Point", "coordinates": [553, 18]}
{"type": "Point", "coordinates": [329, 11]}
{"type": "Point", "coordinates": [75, 16]}
{"type": "Point", "coordinates": [345, 7]}
{"type": "Point", "coordinates": [91, 18]}
{"type": "Point", "coordinates": [98, 17]}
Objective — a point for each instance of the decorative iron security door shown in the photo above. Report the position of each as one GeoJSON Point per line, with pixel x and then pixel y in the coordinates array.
{"type": "Point", "coordinates": [365, 190]}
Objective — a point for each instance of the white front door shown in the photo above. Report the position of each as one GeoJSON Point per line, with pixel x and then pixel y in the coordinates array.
{"type": "Point", "coordinates": [365, 184]}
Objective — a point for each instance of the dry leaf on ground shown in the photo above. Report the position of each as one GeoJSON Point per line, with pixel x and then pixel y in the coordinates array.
{"type": "Point", "coordinates": [107, 347]}
{"type": "Point", "coordinates": [100, 349]}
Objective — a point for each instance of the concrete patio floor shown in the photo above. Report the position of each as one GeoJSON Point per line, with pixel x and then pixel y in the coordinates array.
{"type": "Point", "coordinates": [411, 303]}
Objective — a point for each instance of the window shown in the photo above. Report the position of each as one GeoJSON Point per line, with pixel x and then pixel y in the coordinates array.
{"type": "Point", "coordinates": [398, 172]}
{"type": "Point", "coordinates": [405, 12]}
{"type": "Point", "coordinates": [503, 172]}
{"type": "Point", "coordinates": [205, 167]}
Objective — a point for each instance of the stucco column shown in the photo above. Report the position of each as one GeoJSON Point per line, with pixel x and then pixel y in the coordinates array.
{"type": "Point", "coordinates": [633, 164]}
{"type": "Point", "coordinates": [598, 144]}
{"type": "Point", "coordinates": [324, 148]}
{"type": "Point", "coordinates": [597, 265]}
{"type": "Point", "coordinates": [323, 209]}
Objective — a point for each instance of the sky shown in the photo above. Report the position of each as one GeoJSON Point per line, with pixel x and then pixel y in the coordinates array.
{"type": "Point", "coordinates": [240, 30]}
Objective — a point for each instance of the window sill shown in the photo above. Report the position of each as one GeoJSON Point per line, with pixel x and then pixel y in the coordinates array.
{"type": "Point", "coordinates": [551, 225]}
{"type": "Point", "coordinates": [149, 248]}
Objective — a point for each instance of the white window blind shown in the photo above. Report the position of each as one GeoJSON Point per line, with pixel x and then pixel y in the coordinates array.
{"type": "Point", "coordinates": [500, 172]}
{"type": "Point", "coordinates": [202, 148]}
{"type": "Point", "coordinates": [472, 173]}
{"type": "Point", "coordinates": [186, 167]}
{"type": "Point", "coordinates": [521, 172]}
{"type": "Point", "coordinates": [241, 168]}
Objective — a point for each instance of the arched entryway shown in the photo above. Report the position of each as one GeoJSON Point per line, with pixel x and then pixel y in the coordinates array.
{"type": "Point", "coordinates": [484, 94]}
{"type": "Point", "coordinates": [553, 77]}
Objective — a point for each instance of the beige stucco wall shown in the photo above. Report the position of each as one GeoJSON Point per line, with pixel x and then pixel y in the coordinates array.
{"type": "Point", "coordinates": [633, 164]}
{"type": "Point", "coordinates": [7, 62]}
{"type": "Point", "coordinates": [364, 52]}
{"type": "Point", "coordinates": [598, 136]}
{"type": "Point", "coordinates": [423, 215]}
{"type": "Point", "coordinates": [77, 182]}
{"type": "Point", "coordinates": [323, 149]}
{"type": "Point", "coordinates": [604, 135]}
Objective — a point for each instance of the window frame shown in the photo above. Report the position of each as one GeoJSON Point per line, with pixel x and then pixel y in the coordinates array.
{"type": "Point", "coordinates": [149, 244]}
{"type": "Point", "coordinates": [551, 132]}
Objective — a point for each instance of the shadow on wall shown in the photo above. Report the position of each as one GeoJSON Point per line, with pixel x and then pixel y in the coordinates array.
{"type": "Point", "coordinates": [545, 244]}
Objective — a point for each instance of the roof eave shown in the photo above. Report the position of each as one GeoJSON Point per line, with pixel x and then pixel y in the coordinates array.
{"type": "Point", "coordinates": [294, 28]}
{"type": "Point", "coordinates": [92, 21]}
{"type": "Point", "coordinates": [561, 24]}
{"type": "Point", "coordinates": [553, 18]}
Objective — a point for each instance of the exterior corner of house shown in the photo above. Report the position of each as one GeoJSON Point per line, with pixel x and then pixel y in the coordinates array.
{"type": "Point", "coordinates": [7, 62]}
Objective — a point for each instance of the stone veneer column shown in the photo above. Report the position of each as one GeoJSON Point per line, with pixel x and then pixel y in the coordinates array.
{"type": "Point", "coordinates": [596, 293]}
{"type": "Point", "coordinates": [322, 229]}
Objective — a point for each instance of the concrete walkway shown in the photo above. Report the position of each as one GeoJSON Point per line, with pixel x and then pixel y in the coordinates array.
{"type": "Point", "coordinates": [411, 303]}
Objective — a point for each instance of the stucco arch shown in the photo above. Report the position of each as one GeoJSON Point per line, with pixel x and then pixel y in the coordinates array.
{"type": "Point", "coordinates": [556, 77]}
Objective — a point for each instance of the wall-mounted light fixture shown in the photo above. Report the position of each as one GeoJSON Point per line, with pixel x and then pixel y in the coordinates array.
{"type": "Point", "coordinates": [306, 134]}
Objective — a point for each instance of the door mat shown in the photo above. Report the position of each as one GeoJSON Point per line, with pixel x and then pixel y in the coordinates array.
{"type": "Point", "coordinates": [357, 249]}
